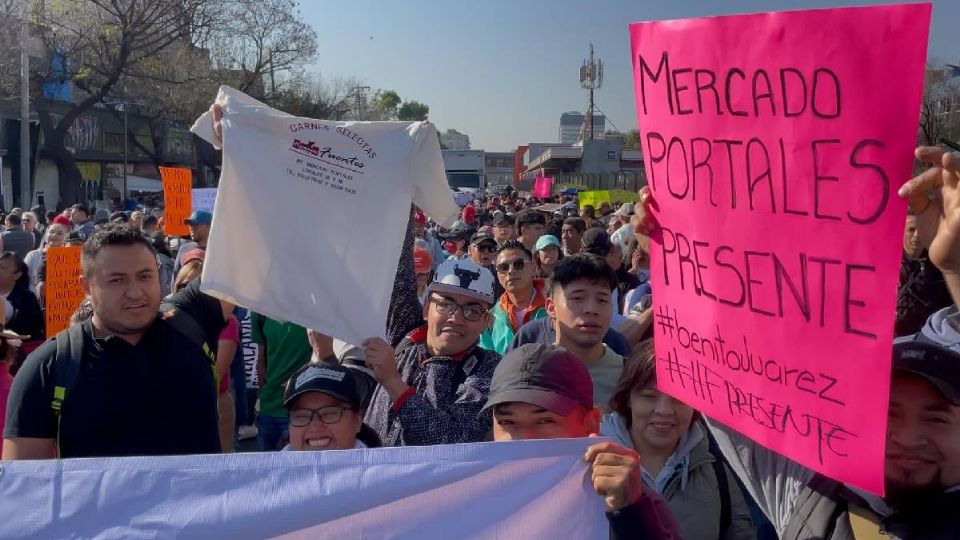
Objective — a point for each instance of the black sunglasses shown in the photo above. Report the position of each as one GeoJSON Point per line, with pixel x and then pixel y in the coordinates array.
{"type": "Point", "coordinates": [517, 265]}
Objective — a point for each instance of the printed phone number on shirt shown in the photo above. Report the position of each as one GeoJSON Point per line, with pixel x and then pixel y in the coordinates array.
{"type": "Point", "coordinates": [312, 177]}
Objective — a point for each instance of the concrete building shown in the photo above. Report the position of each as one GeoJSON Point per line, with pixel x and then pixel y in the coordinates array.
{"type": "Point", "coordinates": [454, 140]}
{"type": "Point", "coordinates": [571, 124]}
{"type": "Point", "coordinates": [498, 168]}
{"type": "Point", "coordinates": [596, 164]}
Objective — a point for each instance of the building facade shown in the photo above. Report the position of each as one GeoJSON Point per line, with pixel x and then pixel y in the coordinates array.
{"type": "Point", "coordinates": [454, 140]}
{"type": "Point", "coordinates": [571, 124]}
{"type": "Point", "coordinates": [498, 168]}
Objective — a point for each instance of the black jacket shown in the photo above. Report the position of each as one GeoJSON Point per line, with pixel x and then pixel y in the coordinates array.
{"type": "Point", "coordinates": [27, 319]}
{"type": "Point", "coordinates": [649, 518]}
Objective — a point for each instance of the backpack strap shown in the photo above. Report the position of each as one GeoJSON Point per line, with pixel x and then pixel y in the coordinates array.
{"type": "Point", "coordinates": [67, 361]}
{"type": "Point", "coordinates": [184, 323]}
{"type": "Point", "coordinates": [723, 485]}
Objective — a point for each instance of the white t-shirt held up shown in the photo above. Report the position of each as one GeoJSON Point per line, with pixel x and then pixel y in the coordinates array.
{"type": "Point", "coordinates": [310, 214]}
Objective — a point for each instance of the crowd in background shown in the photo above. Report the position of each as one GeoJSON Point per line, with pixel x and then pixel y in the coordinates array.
{"type": "Point", "coordinates": [526, 318]}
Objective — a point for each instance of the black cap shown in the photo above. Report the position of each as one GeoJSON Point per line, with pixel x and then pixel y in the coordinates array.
{"type": "Point", "coordinates": [544, 375]}
{"type": "Point", "coordinates": [331, 379]}
{"type": "Point", "coordinates": [502, 218]}
{"type": "Point", "coordinates": [480, 238]}
{"type": "Point", "coordinates": [936, 364]}
{"type": "Point", "coordinates": [457, 231]}
{"type": "Point", "coordinates": [596, 241]}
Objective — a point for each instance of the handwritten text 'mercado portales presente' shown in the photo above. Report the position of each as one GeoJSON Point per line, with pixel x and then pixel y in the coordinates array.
{"type": "Point", "coordinates": [766, 173]}
{"type": "Point", "coordinates": [702, 169]}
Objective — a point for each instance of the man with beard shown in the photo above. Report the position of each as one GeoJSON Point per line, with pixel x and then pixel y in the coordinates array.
{"type": "Point", "coordinates": [922, 465]}
{"type": "Point", "coordinates": [922, 454]}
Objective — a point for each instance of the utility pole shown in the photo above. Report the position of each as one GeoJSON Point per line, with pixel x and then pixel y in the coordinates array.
{"type": "Point", "coordinates": [126, 141]}
{"type": "Point", "coordinates": [360, 94]}
{"type": "Point", "coordinates": [591, 78]}
{"type": "Point", "coordinates": [25, 192]}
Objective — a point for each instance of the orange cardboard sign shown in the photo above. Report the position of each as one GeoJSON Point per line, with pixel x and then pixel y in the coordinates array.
{"type": "Point", "coordinates": [177, 191]}
{"type": "Point", "coordinates": [63, 292]}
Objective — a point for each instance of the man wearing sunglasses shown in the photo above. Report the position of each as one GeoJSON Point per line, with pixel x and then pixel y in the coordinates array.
{"type": "Point", "coordinates": [324, 403]}
{"type": "Point", "coordinates": [482, 249]}
{"type": "Point", "coordinates": [431, 387]}
{"type": "Point", "coordinates": [522, 301]}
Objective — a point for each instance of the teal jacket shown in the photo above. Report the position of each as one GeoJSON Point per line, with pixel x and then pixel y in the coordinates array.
{"type": "Point", "coordinates": [499, 336]}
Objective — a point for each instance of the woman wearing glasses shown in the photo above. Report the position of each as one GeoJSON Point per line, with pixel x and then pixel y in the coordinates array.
{"type": "Point", "coordinates": [324, 405]}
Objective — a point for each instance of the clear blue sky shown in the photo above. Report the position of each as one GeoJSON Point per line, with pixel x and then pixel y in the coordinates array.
{"type": "Point", "coordinates": [502, 71]}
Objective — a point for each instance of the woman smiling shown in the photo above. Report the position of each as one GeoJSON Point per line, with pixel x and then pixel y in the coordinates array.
{"type": "Point", "coordinates": [675, 453]}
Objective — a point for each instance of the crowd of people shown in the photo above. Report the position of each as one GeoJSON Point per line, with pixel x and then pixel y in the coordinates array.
{"type": "Point", "coordinates": [526, 319]}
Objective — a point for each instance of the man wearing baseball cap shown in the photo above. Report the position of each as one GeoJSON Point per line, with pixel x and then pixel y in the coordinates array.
{"type": "Point", "coordinates": [431, 387]}
{"type": "Point", "coordinates": [482, 249]}
{"type": "Point", "coordinates": [921, 464]}
{"type": "Point", "coordinates": [545, 392]}
{"type": "Point", "coordinates": [456, 240]}
{"type": "Point", "coordinates": [324, 401]}
{"type": "Point", "coordinates": [199, 224]}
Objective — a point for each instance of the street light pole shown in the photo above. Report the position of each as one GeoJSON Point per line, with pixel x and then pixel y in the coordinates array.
{"type": "Point", "coordinates": [25, 194]}
{"type": "Point", "coordinates": [126, 136]}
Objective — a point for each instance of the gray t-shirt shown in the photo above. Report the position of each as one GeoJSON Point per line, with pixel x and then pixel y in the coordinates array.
{"type": "Point", "coordinates": [605, 373]}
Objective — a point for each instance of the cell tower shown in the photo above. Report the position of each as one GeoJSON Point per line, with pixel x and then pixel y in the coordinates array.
{"type": "Point", "coordinates": [591, 78]}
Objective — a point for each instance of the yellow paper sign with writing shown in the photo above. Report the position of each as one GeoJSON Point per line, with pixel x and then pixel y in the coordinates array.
{"type": "Point", "coordinates": [593, 198]}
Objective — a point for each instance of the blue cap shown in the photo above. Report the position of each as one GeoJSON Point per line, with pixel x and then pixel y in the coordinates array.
{"type": "Point", "coordinates": [199, 217]}
{"type": "Point", "coordinates": [546, 240]}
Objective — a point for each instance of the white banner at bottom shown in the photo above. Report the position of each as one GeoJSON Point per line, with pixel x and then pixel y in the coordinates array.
{"type": "Point", "coordinates": [511, 490]}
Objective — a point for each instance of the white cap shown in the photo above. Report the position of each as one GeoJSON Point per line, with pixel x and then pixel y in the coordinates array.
{"type": "Point", "coordinates": [626, 209]}
{"type": "Point", "coordinates": [464, 277]}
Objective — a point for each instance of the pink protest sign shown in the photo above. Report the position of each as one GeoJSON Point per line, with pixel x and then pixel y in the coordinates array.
{"type": "Point", "coordinates": [774, 145]}
{"type": "Point", "coordinates": [543, 186]}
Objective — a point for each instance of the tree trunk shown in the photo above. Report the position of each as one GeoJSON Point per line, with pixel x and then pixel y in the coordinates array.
{"type": "Point", "coordinates": [70, 180]}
